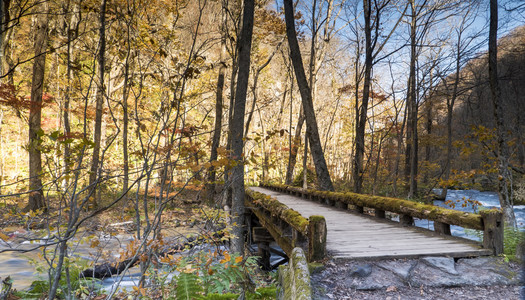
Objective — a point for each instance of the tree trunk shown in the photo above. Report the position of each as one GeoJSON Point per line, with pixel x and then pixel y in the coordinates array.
{"type": "Point", "coordinates": [244, 46]}
{"type": "Point", "coordinates": [4, 24]}
{"type": "Point", "coordinates": [357, 170]}
{"type": "Point", "coordinates": [411, 148]}
{"type": "Point", "coordinates": [36, 196]}
{"type": "Point", "coordinates": [399, 149]}
{"type": "Point", "coordinates": [323, 175]}
{"type": "Point", "coordinates": [216, 139]}
{"type": "Point", "coordinates": [305, 161]}
{"type": "Point", "coordinates": [505, 175]}
{"type": "Point", "coordinates": [125, 117]}
{"type": "Point", "coordinates": [95, 163]}
{"type": "Point", "coordinates": [72, 34]}
{"type": "Point", "coordinates": [294, 149]}
{"type": "Point", "coordinates": [428, 147]}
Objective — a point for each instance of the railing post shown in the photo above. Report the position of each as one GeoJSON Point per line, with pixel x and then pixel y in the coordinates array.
{"type": "Point", "coordinates": [442, 228]}
{"type": "Point", "coordinates": [493, 230]}
{"type": "Point", "coordinates": [406, 220]}
{"type": "Point", "coordinates": [316, 238]}
{"type": "Point", "coordinates": [379, 213]}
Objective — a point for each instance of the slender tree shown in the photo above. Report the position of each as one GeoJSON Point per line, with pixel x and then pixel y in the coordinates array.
{"type": "Point", "coordinates": [323, 175]}
{"type": "Point", "coordinates": [372, 13]}
{"type": "Point", "coordinates": [101, 60]}
{"type": "Point", "coordinates": [504, 173]}
{"type": "Point", "coordinates": [218, 105]}
{"type": "Point", "coordinates": [36, 196]}
{"type": "Point", "coordinates": [244, 46]}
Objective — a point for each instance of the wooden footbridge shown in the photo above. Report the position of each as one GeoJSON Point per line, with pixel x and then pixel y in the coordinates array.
{"type": "Point", "coordinates": [348, 225]}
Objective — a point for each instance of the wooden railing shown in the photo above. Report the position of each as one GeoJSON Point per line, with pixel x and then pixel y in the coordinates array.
{"type": "Point", "coordinates": [489, 221]}
{"type": "Point", "coordinates": [287, 227]}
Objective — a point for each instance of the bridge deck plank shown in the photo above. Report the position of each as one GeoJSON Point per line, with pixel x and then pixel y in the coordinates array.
{"type": "Point", "coordinates": [353, 235]}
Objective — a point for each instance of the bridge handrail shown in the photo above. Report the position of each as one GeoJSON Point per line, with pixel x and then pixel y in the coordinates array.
{"type": "Point", "coordinates": [280, 210]}
{"type": "Point", "coordinates": [312, 229]}
{"type": "Point", "coordinates": [490, 221]}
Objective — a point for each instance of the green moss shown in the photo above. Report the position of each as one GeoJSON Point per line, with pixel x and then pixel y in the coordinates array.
{"type": "Point", "coordinates": [315, 218]}
{"type": "Point", "coordinates": [315, 267]}
{"type": "Point", "coordinates": [262, 293]}
{"type": "Point", "coordinates": [401, 206]}
{"type": "Point", "coordinates": [280, 210]}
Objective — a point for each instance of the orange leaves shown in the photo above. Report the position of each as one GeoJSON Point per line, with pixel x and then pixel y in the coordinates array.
{"type": "Point", "coordinates": [464, 202]}
{"type": "Point", "coordinates": [226, 259]}
{"type": "Point", "coordinates": [238, 259]}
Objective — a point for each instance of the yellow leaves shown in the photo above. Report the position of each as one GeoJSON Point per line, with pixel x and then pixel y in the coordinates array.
{"type": "Point", "coordinates": [189, 269]}
{"type": "Point", "coordinates": [140, 290]}
{"type": "Point", "coordinates": [238, 259]}
{"type": "Point", "coordinates": [94, 243]}
{"type": "Point", "coordinates": [3, 236]}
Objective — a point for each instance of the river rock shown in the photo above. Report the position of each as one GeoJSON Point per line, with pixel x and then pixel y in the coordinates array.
{"type": "Point", "coordinates": [426, 275]}
{"type": "Point", "coordinates": [445, 264]}
{"type": "Point", "coordinates": [399, 267]}
{"type": "Point", "coordinates": [378, 278]}
{"type": "Point", "coordinates": [362, 271]}
{"type": "Point", "coordinates": [487, 271]}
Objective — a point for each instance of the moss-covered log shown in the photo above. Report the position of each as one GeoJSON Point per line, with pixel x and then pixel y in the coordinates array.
{"type": "Point", "coordinates": [400, 206]}
{"type": "Point", "coordinates": [280, 210]}
{"type": "Point", "coordinates": [294, 279]}
{"type": "Point", "coordinates": [275, 216]}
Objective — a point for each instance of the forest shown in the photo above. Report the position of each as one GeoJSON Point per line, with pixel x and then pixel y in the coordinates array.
{"type": "Point", "coordinates": [158, 113]}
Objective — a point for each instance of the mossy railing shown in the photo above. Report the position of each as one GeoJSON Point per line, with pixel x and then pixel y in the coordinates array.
{"type": "Point", "coordinates": [489, 221]}
{"type": "Point", "coordinates": [287, 227]}
{"type": "Point", "coordinates": [294, 278]}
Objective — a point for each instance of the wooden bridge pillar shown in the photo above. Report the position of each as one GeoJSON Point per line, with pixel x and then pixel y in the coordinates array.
{"type": "Point", "coordinates": [493, 230]}
{"type": "Point", "coordinates": [263, 238]}
{"type": "Point", "coordinates": [316, 238]}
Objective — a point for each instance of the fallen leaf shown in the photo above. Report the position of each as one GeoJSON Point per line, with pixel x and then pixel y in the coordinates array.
{"type": "Point", "coordinates": [391, 289]}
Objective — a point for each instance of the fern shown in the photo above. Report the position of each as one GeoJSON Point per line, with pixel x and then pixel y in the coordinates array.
{"type": "Point", "coordinates": [188, 287]}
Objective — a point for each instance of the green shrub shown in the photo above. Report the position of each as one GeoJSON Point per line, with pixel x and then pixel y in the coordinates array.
{"type": "Point", "coordinates": [512, 238]}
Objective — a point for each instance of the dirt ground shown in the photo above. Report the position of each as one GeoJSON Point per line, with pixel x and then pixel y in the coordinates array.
{"type": "Point", "coordinates": [431, 293]}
